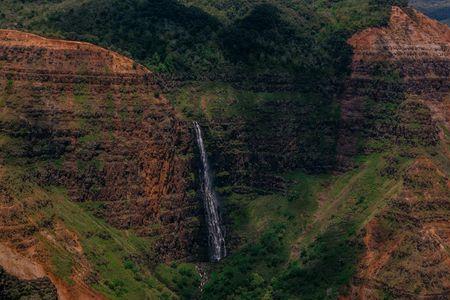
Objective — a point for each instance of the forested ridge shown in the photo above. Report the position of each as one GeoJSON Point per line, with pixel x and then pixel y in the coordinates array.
{"type": "Point", "coordinates": [302, 41]}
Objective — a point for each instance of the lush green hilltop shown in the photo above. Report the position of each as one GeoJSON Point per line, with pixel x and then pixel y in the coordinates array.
{"type": "Point", "coordinates": [204, 39]}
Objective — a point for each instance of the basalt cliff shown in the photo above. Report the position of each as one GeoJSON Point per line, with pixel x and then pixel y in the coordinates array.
{"type": "Point", "coordinates": [84, 124]}
{"type": "Point", "coordinates": [398, 96]}
{"type": "Point", "coordinates": [407, 60]}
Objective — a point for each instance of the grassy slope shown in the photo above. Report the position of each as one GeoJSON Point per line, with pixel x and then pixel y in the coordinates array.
{"type": "Point", "coordinates": [275, 228]}
{"type": "Point", "coordinates": [109, 250]}
{"type": "Point", "coordinates": [122, 263]}
{"type": "Point", "coordinates": [116, 256]}
{"type": "Point", "coordinates": [307, 229]}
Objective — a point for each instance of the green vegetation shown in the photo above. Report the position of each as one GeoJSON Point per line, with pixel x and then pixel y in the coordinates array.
{"type": "Point", "coordinates": [81, 246]}
{"type": "Point", "coordinates": [114, 257]}
{"type": "Point", "coordinates": [300, 40]}
{"type": "Point", "coordinates": [108, 250]}
{"type": "Point", "coordinates": [275, 132]}
{"type": "Point", "coordinates": [303, 243]}
{"type": "Point", "coordinates": [294, 227]}
{"type": "Point", "coordinates": [182, 278]}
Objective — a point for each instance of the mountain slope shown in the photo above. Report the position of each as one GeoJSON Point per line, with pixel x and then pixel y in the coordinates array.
{"type": "Point", "coordinates": [358, 235]}
{"type": "Point", "coordinates": [333, 186]}
{"type": "Point", "coordinates": [288, 41]}
{"type": "Point", "coordinates": [88, 147]}
{"type": "Point", "coordinates": [404, 244]}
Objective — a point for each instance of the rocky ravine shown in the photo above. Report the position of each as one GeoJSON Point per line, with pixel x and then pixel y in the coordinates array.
{"type": "Point", "coordinates": [88, 120]}
{"type": "Point", "coordinates": [399, 95]}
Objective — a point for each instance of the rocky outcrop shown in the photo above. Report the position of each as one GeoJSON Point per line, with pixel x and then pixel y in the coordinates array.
{"type": "Point", "coordinates": [415, 46]}
{"type": "Point", "coordinates": [407, 60]}
{"type": "Point", "coordinates": [22, 52]}
{"type": "Point", "coordinates": [397, 100]}
{"type": "Point", "coordinates": [406, 256]}
{"type": "Point", "coordinates": [89, 120]}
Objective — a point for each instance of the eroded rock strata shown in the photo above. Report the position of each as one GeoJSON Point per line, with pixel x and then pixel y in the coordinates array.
{"type": "Point", "coordinates": [406, 256]}
{"type": "Point", "coordinates": [407, 60]}
{"type": "Point", "coordinates": [398, 96]}
{"type": "Point", "coordinates": [90, 121]}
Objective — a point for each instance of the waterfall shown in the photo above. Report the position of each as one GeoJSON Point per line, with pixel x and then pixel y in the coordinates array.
{"type": "Point", "coordinates": [215, 234]}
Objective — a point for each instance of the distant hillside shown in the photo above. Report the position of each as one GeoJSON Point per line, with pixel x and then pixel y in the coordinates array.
{"type": "Point", "coordinates": [198, 39]}
{"type": "Point", "coordinates": [438, 9]}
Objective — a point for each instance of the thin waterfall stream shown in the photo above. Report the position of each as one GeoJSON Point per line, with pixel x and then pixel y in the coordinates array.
{"type": "Point", "coordinates": [216, 237]}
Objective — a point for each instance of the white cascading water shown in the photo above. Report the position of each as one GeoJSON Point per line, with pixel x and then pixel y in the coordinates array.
{"type": "Point", "coordinates": [215, 237]}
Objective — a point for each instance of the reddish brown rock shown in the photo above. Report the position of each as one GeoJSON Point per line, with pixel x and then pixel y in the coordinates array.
{"type": "Point", "coordinates": [407, 60]}
{"type": "Point", "coordinates": [413, 44]}
{"type": "Point", "coordinates": [90, 119]}
{"type": "Point", "coordinates": [406, 256]}
{"type": "Point", "coordinates": [406, 67]}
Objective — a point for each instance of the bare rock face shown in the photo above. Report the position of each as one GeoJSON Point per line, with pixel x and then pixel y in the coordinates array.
{"type": "Point", "coordinates": [24, 52]}
{"type": "Point", "coordinates": [406, 256]}
{"type": "Point", "coordinates": [399, 96]}
{"type": "Point", "coordinates": [409, 60]}
{"type": "Point", "coordinates": [90, 121]}
{"type": "Point", "coordinates": [413, 44]}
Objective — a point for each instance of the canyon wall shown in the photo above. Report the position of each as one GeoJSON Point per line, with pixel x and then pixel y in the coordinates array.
{"type": "Point", "coordinates": [253, 137]}
{"type": "Point", "coordinates": [86, 120]}
{"type": "Point", "coordinates": [407, 60]}
{"type": "Point", "coordinates": [398, 100]}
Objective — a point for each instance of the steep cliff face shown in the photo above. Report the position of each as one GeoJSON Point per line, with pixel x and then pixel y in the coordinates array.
{"type": "Point", "coordinates": [413, 44]}
{"type": "Point", "coordinates": [406, 61]}
{"type": "Point", "coordinates": [406, 243]}
{"type": "Point", "coordinates": [253, 136]}
{"type": "Point", "coordinates": [87, 122]}
{"type": "Point", "coordinates": [398, 100]}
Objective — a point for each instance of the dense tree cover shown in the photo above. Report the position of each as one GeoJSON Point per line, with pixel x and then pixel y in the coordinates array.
{"type": "Point", "coordinates": [200, 39]}
{"type": "Point", "coordinates": [163, 34]}
{"type": "Point", "coordinates": [170, 37]}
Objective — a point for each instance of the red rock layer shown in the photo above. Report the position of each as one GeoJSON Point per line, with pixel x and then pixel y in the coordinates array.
{"type": "Point", "coordinates": [406, 244]}
{"type": "Point", "coordinates": [411, 56]}
{"type": "Point", "coordinates": [90, 119]}
{"type": "Point", "coordinates": [415, 45]}
{"type": "Point", "coordinates": [22, 51]}
{"type": "Point", "coordinates": [405, 65]}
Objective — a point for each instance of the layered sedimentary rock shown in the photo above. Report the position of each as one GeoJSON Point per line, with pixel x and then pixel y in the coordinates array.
{"type": "Point", "coordinates": [408, 59]}
{"type": "Point", "coordinates": [415, 46]}
{"type": "Point", "coordinates": [271, 136]}
{"type": "Point", "coordinates": [90, 121]}
{"type": "Point", "coordinates": [398, 99]}
{"type": "Point", "coordinates": [406, 245]}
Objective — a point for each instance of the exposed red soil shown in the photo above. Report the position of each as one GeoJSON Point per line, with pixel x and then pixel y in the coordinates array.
{"type": "Point", "coordinates": [116, 141]}
{"type": "Point", "coordinates": [26, 51]}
